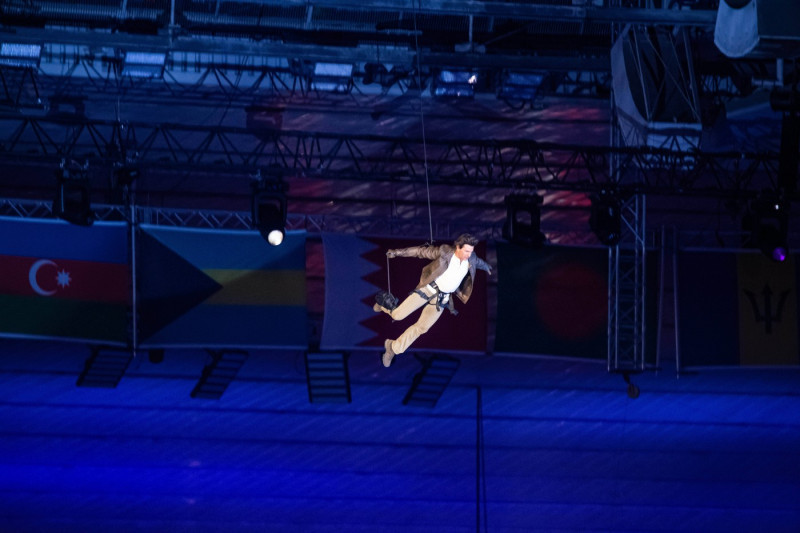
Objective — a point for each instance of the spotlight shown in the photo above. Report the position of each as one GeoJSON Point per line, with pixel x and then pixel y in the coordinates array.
{"type": "Point", "coordinates": [20, 55]}
{"type": "Point", "coordinates": [269, 211]}
{"type": "Point", "coordinates": [768, 224]}
{"type": "Point", "coordinates": [458, 83]}
{"type": "Point", "coordinates": [522, 225]}
{"type": "Point", "coordinates": [72, 197]}
{"type": "Point", "coordinates": [275, 237]}
{"type": "Point", "coordinates": [143, 64]}
{"type": "Point", "coordinates": [605, 219]}
{"type": "Point", "coordinates": [332, 77]}
{"type": "Point", "coordinates": [520, 86]}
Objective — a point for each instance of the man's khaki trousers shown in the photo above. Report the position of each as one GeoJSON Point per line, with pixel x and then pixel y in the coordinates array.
{"type": "Point", "coordinates": [427, 318]}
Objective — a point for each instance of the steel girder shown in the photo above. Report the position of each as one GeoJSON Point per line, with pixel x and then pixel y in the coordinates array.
{"type": "Point", "coordinates": [238, 220]}
{"type": "Point", "coordinates": [482, 163]}
{"type": "Point", "coordinates": [214, 79]}
{"type": "Point", "coordinates": [627, 286]}
{"type": "Point", "coordinates": [217, 78]}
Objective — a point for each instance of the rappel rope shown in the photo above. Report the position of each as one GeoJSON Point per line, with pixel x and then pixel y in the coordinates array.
{"type": "Point", "coordinates": [422, 122]}
{"type": "Point", "coordinates": [424, 144]}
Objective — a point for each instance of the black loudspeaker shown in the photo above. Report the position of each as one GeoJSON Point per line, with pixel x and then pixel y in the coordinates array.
{"type": "Point", "coordinates": [72, 201]}
{"type": "Point", "coordinates": [522, 225]}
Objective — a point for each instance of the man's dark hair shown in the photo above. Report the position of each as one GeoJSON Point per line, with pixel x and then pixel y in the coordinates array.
{"type": "Point", "coordinates": [466, 238]}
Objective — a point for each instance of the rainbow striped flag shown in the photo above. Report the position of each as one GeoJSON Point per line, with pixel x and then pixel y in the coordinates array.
{"type": "Point", "coordinates": [220, 289]}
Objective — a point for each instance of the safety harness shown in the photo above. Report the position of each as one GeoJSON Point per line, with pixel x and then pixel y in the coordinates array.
{"type": "Point", "coordinates": [442, 298]}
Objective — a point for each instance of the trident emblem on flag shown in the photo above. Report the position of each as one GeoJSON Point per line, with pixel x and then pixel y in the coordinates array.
{"type": "Point", "coordinates": [768, 316]}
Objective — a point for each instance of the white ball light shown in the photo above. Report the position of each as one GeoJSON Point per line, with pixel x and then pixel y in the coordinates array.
{"type": "Point", "coordinates": [275, 237]}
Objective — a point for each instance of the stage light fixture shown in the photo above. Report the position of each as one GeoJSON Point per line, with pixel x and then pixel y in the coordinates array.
{"type": "Point", "coordinates": [332, 77]}
{"type": "Point", "coordinates": [20, 55]}
{"type": "Point", "coordinates": [520, 86]}
{"type": "Point", "coordinates": [523, 220]}
{"type": "Point", "coordinates": [124, 175]}
{"type": "Point", "coordinates": [143, 64]}
{"type": "Point", "coordinates": [605, 218]}
{"type": "Point", "coordinates": [454, 83]}
{"type": "Point", "coordinates": [269, 211]}
{"type": "Point", "coordinates": [72, 197]}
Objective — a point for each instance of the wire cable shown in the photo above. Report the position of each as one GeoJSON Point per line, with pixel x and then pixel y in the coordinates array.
{"type": "Point", "coordinates": [422, 121]}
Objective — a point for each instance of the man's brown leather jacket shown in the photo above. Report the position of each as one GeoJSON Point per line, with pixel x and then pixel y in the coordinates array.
{"type": "Point", "coordinates": [440, 259]}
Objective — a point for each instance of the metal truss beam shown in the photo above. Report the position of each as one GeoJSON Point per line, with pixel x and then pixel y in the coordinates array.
{"type": "Point", "coordinates": [627, 291]}
{"type": "Point", "coordinates": [79, 74]}
{"type": "Point", "coordinates": [240, 220]}
{"type": "Point", "coordinates": [482, 163]}
{"type": "Point", "coordinates": [250, 36]}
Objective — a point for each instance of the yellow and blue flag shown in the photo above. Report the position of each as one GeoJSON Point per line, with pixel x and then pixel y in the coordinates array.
{"type": "Point", "coordinates": [220, 289]}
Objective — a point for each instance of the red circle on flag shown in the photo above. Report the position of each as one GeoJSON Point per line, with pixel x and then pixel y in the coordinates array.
{"type": "Point", "coordinates": [572, 301]}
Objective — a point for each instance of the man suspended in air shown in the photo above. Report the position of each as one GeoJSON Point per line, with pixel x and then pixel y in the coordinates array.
{"type": "Point", "coordinates": [451, 271]}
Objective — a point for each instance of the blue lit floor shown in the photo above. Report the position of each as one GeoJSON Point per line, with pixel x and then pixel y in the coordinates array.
{"type": "Point", "coordinates": [564, 449]}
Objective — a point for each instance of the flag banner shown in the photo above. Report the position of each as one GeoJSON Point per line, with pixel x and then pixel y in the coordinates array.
{"type": "Point", "coordinates": [737, 309]}
{"type": "Point", "coordinates": [217, 288]}
{"type": "Point", "coordinates": [61, 281]}
{"type": "Point", "coordinates": [355, 270]}
{"type": "Point", "coordinates": [552, 301]}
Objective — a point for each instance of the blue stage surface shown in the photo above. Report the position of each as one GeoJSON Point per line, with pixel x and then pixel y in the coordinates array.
{"type": "Point", "coordinates": [553, 445]}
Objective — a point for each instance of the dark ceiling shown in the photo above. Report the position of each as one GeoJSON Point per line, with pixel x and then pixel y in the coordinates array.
{"type": "Point", "coordinates": [238, 97]}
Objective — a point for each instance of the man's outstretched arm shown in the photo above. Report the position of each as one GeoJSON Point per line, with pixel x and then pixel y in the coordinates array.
{"type": "Point", "coordinates": [422, 252]}
{"type": "Point", "coordinates": [483, 265]}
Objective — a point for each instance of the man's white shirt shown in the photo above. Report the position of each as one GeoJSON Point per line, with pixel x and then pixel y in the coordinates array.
{"type": "Point", "coordinates": [451, 278]}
